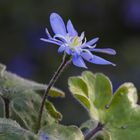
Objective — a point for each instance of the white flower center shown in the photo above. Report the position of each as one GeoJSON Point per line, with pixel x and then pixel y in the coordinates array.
{"type": "Point", "coordinates": [74, 42]}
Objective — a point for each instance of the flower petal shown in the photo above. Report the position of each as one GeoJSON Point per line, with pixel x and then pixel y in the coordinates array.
{"type": "Point", "coordinates": [68, 50]}
{"type": "Point", "coordinates": [82, 36]}
{"type": "Point", "coordinates": [95, 59]}
{"type": "Point", "coordinates": [86, 54]}
{"type": "Point", "coordinates": [106, 50]}
{"type": "Point", "coordinates": [50, 41]}
{"type": "Point", "coordinates": [61, 48]}
{"type": "Point", "coordinates": [101, 61]}
{"type": "Point", "coordinates": [48, 34]}
{"type": "Point", "coordinates": [71, 29]}
{"type": "Point", "coordinates": [78, 61]}
{"type": "Point", "coordinates": [43, 136]}
{"type": "Point", "coordinates": [93, 41]}
{"type": "Point", "coordinates": [60, 37]}
{"type": "Point", "coordinates": [57, 24]}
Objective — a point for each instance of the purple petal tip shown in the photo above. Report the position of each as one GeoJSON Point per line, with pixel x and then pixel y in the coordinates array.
{"type": "Point", "coordinates": [54, 14]}
{"type": "Point", "coordinates": [113, 64]}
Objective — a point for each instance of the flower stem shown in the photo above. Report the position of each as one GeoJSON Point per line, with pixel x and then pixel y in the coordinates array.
{"type": "Point", "coordinates": [94, 131]}
{"type": "Point", "coordinates": [56, 75]}
{"type": "Point", "coordinates": [7, 107]}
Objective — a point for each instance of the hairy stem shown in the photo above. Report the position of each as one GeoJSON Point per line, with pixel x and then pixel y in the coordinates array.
{"type": "Point", "coordinates": [7, 107]}
{"type": "Point", "coordinates": [94, 131]}
{"type": "Point", "coordinates": [56, 75]}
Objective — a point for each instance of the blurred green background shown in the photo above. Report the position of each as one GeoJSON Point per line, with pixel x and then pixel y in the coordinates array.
{"type": "Point", "coordinates": [115, 22]}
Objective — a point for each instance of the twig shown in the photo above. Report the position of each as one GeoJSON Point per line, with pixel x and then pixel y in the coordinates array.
{"type": "Point", "coordinates": [94, 131]}
{"type": "Point", "coordinates": [6, 107]}
{"type": "Point", "coordinates": [56, 75]}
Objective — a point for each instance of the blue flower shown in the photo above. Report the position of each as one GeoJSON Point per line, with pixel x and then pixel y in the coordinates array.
{"type": "Point", "coordinates": [43, 136]}
{"type": "Point", "coordinates": [66, 37]}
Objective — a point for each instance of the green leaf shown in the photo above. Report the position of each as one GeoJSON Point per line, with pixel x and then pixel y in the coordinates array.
{"type": "Point", "coordinates": [88, 126]}
{"type": "Point", "coordinates": [53, 112]}
{"type": "Point", "coordinates": [1, 108]}
{"type": "Point", "coordinates": [83, 100]}
{"type": "Point", "coordinates": [119, 113]}
{"type": "Point", "coordinates": [123, 101]}
{"type": "Point", "coordinates": [2, 69]}
{"type": "Point", "coordinates": [101, 135]}
{"type": "Point", "coordinates": [89, 79]}
{"type": "Point", "coordinates": [25, 101]}
{"type": "Point", "coordinates": [123, 116]}
{"type": "Point", "coordinates": [80, 91]}
{"type": "Point", "coordinates": [10, 130]}
{"type": "Point", "coordinates": [103, 91]}
{"type": "Point", "coordinates": [93, 91]}
{"type": "Point", "coordinates": [12, 85]}
{"type": "Point", "coordinates": [54, 92]}
{"type": "Point", "coordinates": [25, 111]}
{"type": "Point", "coordinates": [78, 86]}
{"type": "Point", "coordinates": [61, 132]}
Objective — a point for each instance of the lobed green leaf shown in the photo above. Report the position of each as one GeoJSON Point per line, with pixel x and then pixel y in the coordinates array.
{"type": "Point", "coordinates": [10, 130]}
{"type": "Point", "coordinates": [61, 132]}
{"type": "Point", "coordinates": [93, 91]}
{"type": "Point", "coordinates": [12, 85]}
{"type": "Point", "coordinates": [119, 113]}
